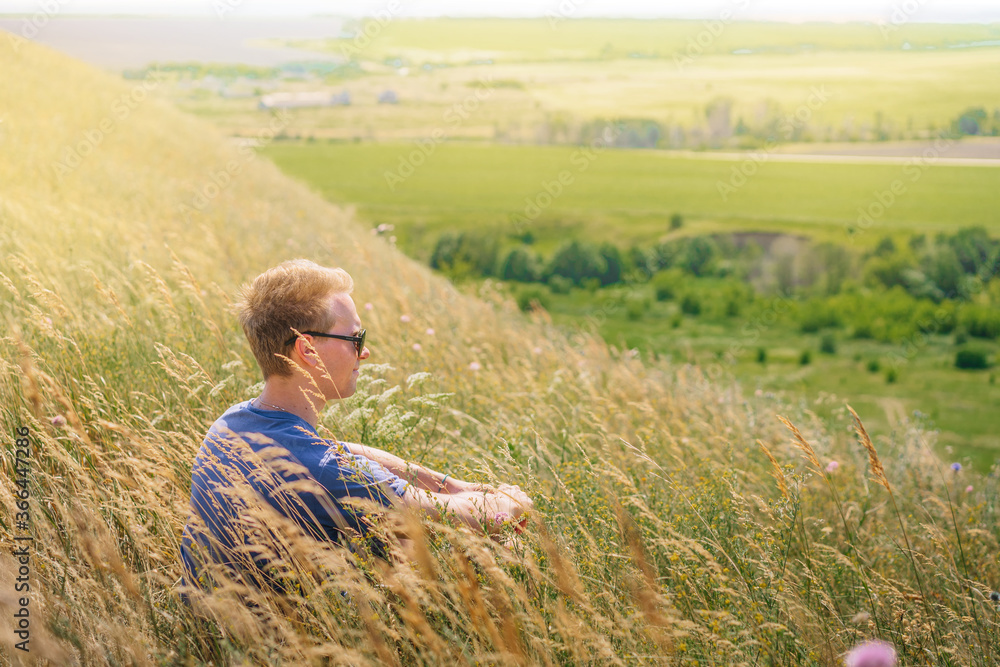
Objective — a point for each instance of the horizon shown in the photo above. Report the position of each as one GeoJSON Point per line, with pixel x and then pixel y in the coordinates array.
{"type": "Point", "coordinates": [771, 11]}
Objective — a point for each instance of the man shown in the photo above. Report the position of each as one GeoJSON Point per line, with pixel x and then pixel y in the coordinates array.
{"type": "Point", "coordinates": [305, 333]}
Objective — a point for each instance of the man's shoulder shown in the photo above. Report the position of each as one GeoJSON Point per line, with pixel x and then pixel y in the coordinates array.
{"type": "Point", "coordinates": [260, 428]}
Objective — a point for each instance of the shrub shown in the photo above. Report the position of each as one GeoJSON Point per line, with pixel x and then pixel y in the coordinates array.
{"type": "Point", "coordinates": [971, 358]}
{"type": "Point", "coordinates": [676, 221]}
{"type": "Point", "coordinates": [863, 330]}
{"type": "Point", "coordinates": [465, 253]}
{"type": "Point", "coordinates": [636, 307]}
{"type": "Point", "coordinates": [828, 344]}
{"type": "Point", "coordinates": [761, 355]}
{"type": "Point", "coordinates": [578, 261]}
{"type": "Point", "coordinates": [817, 314]}
{"type": "Point", "coordinates": [891, 376]}
{"type": "Point", "coordinates": [614, 266]}
{"type": "Point", "coordinates": [981, 321]}
{"type": "Point", "coordinates": [520, 265]}
{"type": "Point", "coordinates": [699, 255]}
{"type": "Point", "coordinates": [691, 304]}
{"type": "Point", "coordinates": [666, 284]}
{"type": "Point", "coordinates": [533, 296]}
{"type": "Point", "coordinates": [873, 366]}
{"type": "Point", "coordinates": [560, 285]}
{"type": "Point", "coordinates": [805, 358]}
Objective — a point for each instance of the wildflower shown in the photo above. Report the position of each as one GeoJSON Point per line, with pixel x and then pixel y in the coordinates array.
{"type": "Point", "coordinates": [369, 306]}
{"type": "Point", "coordinates": [430, 332]}
{"type": "Point", "coordinates": [968, 489]}
{"type": "Point", "coordinates": [957, 467]}
{"type": "Point", "coordinates": [832, 466]}
{"type": "Point", "coordinates": [871, 654]}
{"type": "Point", "coordinates": [474, 366]}
{"type": "Point", "coordinates": [416, 347]}
{"type": "Point", "coordinates": [404, 318]}
{"type": "Point", "coordinates": [58, 421]}
{"type": "Point", "coordinates": [537, 350]}
{"type": "Point", "coordinates": [500, 518]}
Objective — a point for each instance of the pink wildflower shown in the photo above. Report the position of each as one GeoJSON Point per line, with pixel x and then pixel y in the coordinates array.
{"type": "Point", "coordinates": [872, 654]}
{"type": "Point", "coordinates": [416, 347]}
{"type": "Point", "coordinates": [58, 421]}
{"type": "Point", "coordinates": [430, 332]}
{"type": "Point", "coordinates": [474, 366]}
{"type": "Point", "coordinates": [968, 489]}
{"type": "Point", "coordinates": [369, 306]}
{"type": "Point", "coordinates": [832, 466]}
{"type": "Point", "coordinates": [404, 318]}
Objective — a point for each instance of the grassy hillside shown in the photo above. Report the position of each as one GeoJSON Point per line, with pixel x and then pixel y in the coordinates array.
{"type": "Point", "coordinates": [663, 532]}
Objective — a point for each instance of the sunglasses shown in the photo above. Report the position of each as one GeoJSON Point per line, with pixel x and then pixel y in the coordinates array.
{"type": "Point", "coordinates": [359, 340]}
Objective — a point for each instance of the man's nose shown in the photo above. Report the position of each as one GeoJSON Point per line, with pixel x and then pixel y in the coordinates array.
{"type": "Point", "coordinates": [365, 353]}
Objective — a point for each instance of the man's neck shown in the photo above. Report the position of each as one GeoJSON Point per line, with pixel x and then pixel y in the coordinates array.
{"type": "Point", "coordinates": [290, 396]}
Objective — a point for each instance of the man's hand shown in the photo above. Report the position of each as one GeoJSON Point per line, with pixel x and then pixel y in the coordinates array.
{"type": "Point", "coordinates": [518, 498]}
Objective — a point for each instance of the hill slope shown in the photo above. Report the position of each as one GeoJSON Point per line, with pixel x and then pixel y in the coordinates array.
{"type": "Point", "coordinates": [125, 229]}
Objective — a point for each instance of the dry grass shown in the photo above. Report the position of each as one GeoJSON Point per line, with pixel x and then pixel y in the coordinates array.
{"type": "Point", "coordinates": [660, 538]}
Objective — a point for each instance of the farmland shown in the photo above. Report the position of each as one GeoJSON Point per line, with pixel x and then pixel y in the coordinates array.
{"type": "Point", "coordinates": [548, 80]}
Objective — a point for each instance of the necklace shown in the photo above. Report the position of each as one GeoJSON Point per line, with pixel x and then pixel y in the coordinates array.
{"type": "Point", "coordinates": [277, 407]}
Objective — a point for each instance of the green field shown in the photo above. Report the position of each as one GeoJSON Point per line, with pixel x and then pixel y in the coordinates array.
{"type": "Point", "coordinates": [628, 196]}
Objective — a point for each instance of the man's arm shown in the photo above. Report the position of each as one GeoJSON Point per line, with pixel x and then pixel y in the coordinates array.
{"type": "Point", "coordinates": [477, 509]}
{"type": "Point", "coordinates": [421, 477]}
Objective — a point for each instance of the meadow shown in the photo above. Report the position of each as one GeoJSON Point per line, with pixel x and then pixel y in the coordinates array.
{"type": "Point", "coordinates": [677, 521]}
{"type": "Point", "coordinates": [628, 196]}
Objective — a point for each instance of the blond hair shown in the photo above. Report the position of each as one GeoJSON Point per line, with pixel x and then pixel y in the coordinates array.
{"type": "Point", "coordinates": [293, 295]}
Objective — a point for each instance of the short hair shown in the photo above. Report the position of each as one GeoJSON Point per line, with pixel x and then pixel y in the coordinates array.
{"type": "Point", "coordinates": [295, 294]}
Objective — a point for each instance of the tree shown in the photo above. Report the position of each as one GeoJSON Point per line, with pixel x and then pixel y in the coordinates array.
{"type": "Point", "coordinates": [944, 269]}
{"type": "Point", "coordinates": [577, 261]}
{"type": "Point", "coordinates": [699, 255]}
{"type": "Point", "coordinates": [465, 253]}
{"type": "Point", "coordinates": [520, 265]}
{"type": "Point", "coordinates": [613, 264]}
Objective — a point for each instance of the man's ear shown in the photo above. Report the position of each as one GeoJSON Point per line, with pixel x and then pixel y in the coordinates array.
{"type": "Point", "coordinates": [306, 351]}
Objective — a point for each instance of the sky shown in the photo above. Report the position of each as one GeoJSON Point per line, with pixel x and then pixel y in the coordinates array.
{"type": "Point", "coordinates": [780, 10]}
